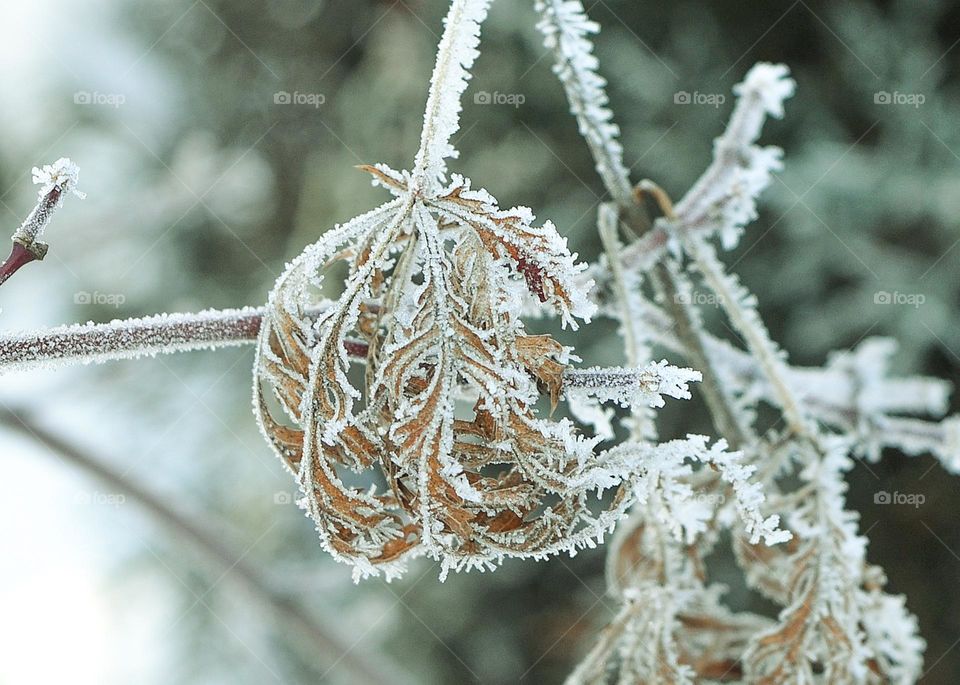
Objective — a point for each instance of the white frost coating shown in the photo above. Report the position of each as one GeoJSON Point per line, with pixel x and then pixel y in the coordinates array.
{"type": "Point", "coordinates": [627, 289]}
{"type": "Point", "coordinates": [663, 486]}
{"type": "Point", "coordinates": [63, 173]}
{"type": "Point", "coordinates": [724, 198]}
{"type": "Point", "coordinates": [55, 181]}
{"type": "Point", "coordinates": [566, 30]}
{"type": "Point", "coordinates": [741, 308]}
{"type": "Point", "coordinates": [770, 84]}
{"type": "Point", "coordinates": [916, 437]}
{"type": "Point", "coordinates": [128, 338]}
{"type": "Point", "coordinates": [540, 252]}
{"type": "Point", "coordinates": [893, 635]}
{"type": "Point", "coordinates": [589, 411]}
{"type": "Point", "coordinates": [835, 394]}
{"type": "Point", "coordinates": [441, 119]}
{"type": "Point", "coordinates": [449, 271]}
{"type": "Point", "coordinates": [748, 495]}
{"type": "Point", "coordinates": [629, 387]}
{"type": "Point", "coordinates": [822, 634]}
{"type": "Point", "coordinates": [833, 594]}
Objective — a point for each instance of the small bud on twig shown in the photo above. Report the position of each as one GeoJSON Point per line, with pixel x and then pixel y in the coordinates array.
{"type": "Point", "coordinates": [55, 180]}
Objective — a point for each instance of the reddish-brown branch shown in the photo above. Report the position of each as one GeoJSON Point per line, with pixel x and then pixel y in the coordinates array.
{"type": "Point", "coordinates": [132, 338]}
{"type": "Point", "coordinates": [19, 256]}
{"type": "Point", "coordinates": [26, 240]}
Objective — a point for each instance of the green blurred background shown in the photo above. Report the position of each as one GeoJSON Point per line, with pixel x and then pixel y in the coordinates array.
{"type": "Point", "coordinates": [203, 181]}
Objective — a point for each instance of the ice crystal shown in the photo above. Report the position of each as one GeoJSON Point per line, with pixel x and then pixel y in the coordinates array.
{"type": "Point", "coordinates": [62, 174]}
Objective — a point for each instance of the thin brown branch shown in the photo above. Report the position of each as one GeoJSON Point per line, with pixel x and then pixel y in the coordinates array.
{"type": "Point", "coordinates": [131, 338]}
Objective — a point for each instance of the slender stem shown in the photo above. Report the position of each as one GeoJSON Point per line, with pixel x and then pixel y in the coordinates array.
{"type": "Point", "coordinates": [20, 256]}
{"type": "Point", "coordinates": [566, 30]}
{"type": "Point", "coordinates": [215, 329]}
{"type": "Point", "coordinates": [216, 551]}
{"type": "Point", "coordinates": [131, 338]}
{"type": "Point", "coordinates": [693, 341]}
{"type": "Point", "coordinates": [686, 319]}
{"type": "Point", "coordinates": [455, 55]}
{"type": "Point", "coordinates": [26, 246]}
{"type": "Point", "coordinates": [755, 333]}
{"type": "Point", "coordinates": [607, 221]}
{"type": "Point", "coordinates": [719, 404]}
{"type": "Point", "coordinates": [642, 418]}
{"type": "Point", "coordinates": [171, 333]}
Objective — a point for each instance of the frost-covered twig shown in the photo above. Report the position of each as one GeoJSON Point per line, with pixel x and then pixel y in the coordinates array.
{"type": "Point", "coordinates": [441, 118]}
{"type": "Point", "coordinates": [917, 437]}
{"type": "Point", "coordinates": [854, 386]}
{"type": "Point", "coordinates": [636, 338]}
{"type": "Point", "coordinates": [674, 288]}
{"type": "Point", "coordinates": [819, 630]}
{"type": "Point", "coordinates": [631, 387]}
{"type": "Point", "coordinates": [312, 635]}
{"type": "Point", "coordinates": [723, 199]}
{"type": "Point", "coordinates": [566, 30]}
{"type": "Point", "coordinates": [211, 329]}
{"type": "Point", "coordinates": [130, 338]}
{"type": "Point", "coordinates": [55, 180]}
{"type": "Point", "coordinates": [740, 307]}
{"type": "Point", "coordinates": [830, 598]}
